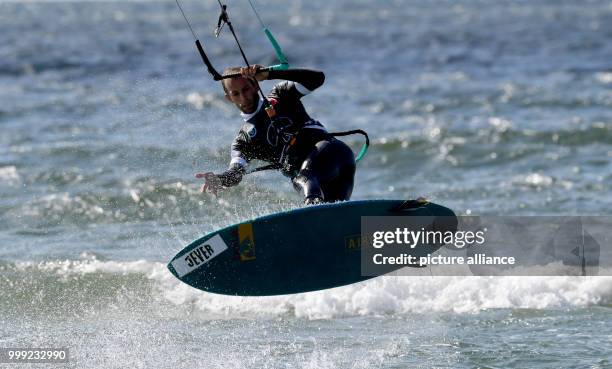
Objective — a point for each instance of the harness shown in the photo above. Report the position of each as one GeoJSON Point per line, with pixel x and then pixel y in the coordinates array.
{"type": "Point", "coordinates": [289, 141]}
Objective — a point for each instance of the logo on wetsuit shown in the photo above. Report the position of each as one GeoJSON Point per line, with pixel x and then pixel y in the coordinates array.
{"type": "Point", "coordinates": [251, 130]}
{"type": "Point", "coordinates": [280, 131]}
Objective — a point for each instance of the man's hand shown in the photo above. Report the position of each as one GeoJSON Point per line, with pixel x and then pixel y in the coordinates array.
{"type": "Point", "coordinates": [252, 72]}
{"type": "Point", "coordinates": [212, 183]}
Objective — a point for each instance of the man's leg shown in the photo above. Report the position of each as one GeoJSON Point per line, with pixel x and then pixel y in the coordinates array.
{"type": "Point", "coordinates": [327, 174]}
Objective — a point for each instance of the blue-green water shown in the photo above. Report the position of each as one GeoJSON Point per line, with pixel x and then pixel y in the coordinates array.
{"type": "Point", "coordinates": [106, 112]}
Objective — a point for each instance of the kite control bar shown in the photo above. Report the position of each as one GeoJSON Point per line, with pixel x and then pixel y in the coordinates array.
{"type": "Point", "coordinates": [224, 19]}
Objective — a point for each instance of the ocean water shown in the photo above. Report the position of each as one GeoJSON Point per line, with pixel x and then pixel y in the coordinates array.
{"type": "Point", "coordinates": [106, 112]}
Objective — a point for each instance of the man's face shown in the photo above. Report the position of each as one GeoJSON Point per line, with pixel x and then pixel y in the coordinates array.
{"type": "Point", "coordinates": [242, 93]}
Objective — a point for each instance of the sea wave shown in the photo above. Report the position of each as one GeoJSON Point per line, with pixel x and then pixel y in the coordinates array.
{"type": "Point", "coordinates": [91, 285]}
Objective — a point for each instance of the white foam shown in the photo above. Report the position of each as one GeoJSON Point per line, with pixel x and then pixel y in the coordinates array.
{"type": "Point", "coordinates": [91, 265]}
{"type": "Point", "coordinates": [404, 295]}
{"type": "Point", "coordinates": [604, 77]}
{"type": "Point", "coordinates": [379, 296]}
{"type": "Point", "coordinates": [9, 174]}
{"type": "Point", "coordinates": [535, 180]}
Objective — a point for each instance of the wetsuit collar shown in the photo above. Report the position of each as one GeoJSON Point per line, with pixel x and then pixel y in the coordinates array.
{"type": "Point", "coordinates": [247, 117]}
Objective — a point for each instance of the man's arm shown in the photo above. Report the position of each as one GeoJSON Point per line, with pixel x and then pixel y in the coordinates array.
{"type": "Point", "coordinates": [303, 81]}
{"type": "Point", "coordinates": [309, 79]}
{"type": "Point", "coordinates": [233, 175]}
{"type": "Point", "coordinates": [215, 182]}
{"type": "Point", "coordinates": [240, 158]}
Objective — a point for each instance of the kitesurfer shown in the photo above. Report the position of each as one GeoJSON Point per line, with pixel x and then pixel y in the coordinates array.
{"type": "Point", "coordinates": [320, 166]}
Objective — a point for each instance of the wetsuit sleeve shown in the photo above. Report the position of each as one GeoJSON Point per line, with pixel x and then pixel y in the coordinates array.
{"type": "Point", "coordinates": [240, 158]}
{"type": "Point", "coordinates": [232, 176]}
{"type": "Point", "coordinates": [298, 82]}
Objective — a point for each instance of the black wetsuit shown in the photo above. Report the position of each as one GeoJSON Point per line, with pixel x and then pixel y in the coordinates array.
{"type": "Point", "coordinates": [319, 165]}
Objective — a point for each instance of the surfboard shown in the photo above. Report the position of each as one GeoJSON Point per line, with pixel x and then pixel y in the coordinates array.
{"type": "Point", "coordinates": [302, 250]}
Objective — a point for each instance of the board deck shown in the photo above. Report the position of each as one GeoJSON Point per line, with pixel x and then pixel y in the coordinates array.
{"type": "Point", "coordinates": [301, 250]}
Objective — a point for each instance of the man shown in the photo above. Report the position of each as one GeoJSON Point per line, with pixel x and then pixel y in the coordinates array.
{"type": "Point", "coordinates": [320, 166]}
